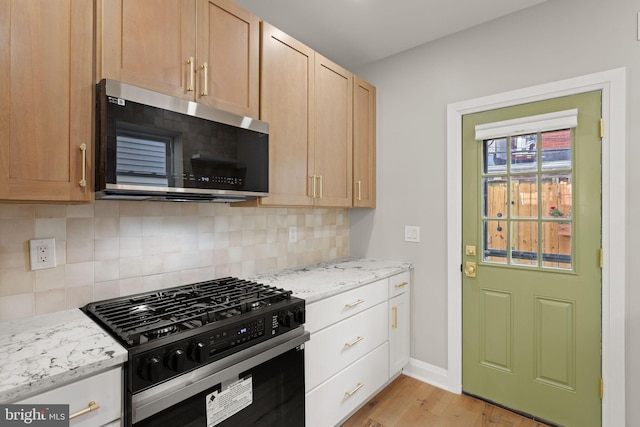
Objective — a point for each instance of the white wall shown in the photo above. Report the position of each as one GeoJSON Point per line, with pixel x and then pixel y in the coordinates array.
{"type": "Point", "coordinates": [553, 41]}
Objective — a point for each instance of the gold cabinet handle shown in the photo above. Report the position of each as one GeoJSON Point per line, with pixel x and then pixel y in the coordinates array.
{"type": "Point", "coordinates": [394, 324]}
{"type": "Point", "coordinates": [352, 392]}
{"type": "Point", "coordinates": [354, 342]}
{"type": "Point", "coordinates": [83, 181]}
{"type": "Point", "coordinates": [353, 304]}
{"type": "Point", "coordinates": [205, 80]}
{"type": "Point", "coordinates": [313, 186]}
{"type": "Point", "coordinates": [191, 74]}
{"type": "Point", "coordinates": [90, 408]}
{"type": "Point", "coordinates": [359, 185]}
{"type": "Point", "coordinates": [401, 285]}
{"type": "Point", "coordinates": [320, 176]}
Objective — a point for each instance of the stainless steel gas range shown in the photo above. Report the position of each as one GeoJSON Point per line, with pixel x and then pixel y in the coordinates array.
{"type": "Point", "coordinates": [226, 352]}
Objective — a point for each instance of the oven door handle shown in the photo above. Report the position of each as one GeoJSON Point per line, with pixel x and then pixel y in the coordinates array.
{"type": "Point", "coordinates": [158, 398]}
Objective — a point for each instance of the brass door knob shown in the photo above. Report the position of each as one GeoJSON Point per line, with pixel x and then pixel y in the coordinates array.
{"type": "Point", "coordinates": [470, 269]}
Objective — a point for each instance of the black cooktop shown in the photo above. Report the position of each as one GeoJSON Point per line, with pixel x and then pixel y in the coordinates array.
{"type": "Point", "coordinates": [144, 317]}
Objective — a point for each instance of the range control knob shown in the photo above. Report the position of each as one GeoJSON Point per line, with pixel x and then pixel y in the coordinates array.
{"type": "Point", "coordinates": [285, 318]}
{"type": "Point", "coordinates": [150, 369]}
{"type": "Point", "coordinates": [175, 360]}
{"type": "Point", "coordinates": [298, 315]}
{"type": "Point", "coordinates": [199, 352]}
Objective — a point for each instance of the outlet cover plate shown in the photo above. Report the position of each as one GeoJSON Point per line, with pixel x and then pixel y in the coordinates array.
{"type": "Point", "coordinates": [293, 234]}
{"type": "Point", "coordinates": [42, 253]}
{"type": "Point", "coordinates": [412, 233]}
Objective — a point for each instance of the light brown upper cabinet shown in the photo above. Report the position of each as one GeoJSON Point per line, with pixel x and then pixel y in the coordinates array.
{"type": "Point", "coordinates": [364, 144]}
{"type": "Point", "coordinates": [286, 95]}
{"type": "Point", "coordinates": [202, 50]}
{"type": "Point", "coordinates": [307, 101]}
{"type": "Point", "coordinates": [330, 160]}
{"type": "Point", "coordinates": [46, 94]}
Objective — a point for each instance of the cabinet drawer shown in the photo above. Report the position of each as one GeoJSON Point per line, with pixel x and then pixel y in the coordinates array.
{"type": "Point", "coordinates": [104, 389]}
{"type": "Point", "coordinates": [338, 307]}
{"type": "Point", "coordinates": [399, 284]}
{"type": "Point", "coordinates": [336, 347]}
{"type": "Point", "coordinates": [332, 401]}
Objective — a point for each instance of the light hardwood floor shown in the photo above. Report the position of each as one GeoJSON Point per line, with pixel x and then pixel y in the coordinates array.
{"type": "Point", "coordinates": [409, 402]}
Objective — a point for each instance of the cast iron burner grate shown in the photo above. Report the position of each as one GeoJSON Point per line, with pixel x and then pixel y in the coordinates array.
{"type": "Point", "coordinates": [144, 317]}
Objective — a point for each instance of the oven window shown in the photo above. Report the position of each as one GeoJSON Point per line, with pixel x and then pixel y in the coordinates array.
{"type": "Point", "coordinates": [278, 398]}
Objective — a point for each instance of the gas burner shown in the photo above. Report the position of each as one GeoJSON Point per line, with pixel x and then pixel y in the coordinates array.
{"type": "Point", "coordinates": [141, 309]}
{"type": "Point", "coordinates": [161, 332]}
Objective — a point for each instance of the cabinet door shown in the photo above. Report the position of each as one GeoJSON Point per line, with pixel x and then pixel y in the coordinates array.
{"type": "Point", "coordinates": [46, 98]}
{"type": "Point", "coordinates": [364, 144]}
{"type": "Point", "coordinates": [105, 389]}
{"type": "Point", "coordinates": [228, 39]}
{"type": "Point", "coordinates": [287, 82]}
{"type": "Point", "coordinates": [399, 332]}
{"type": "Point", "coordinates": [332, 146]}
{"type": "Point", "coordinates": [149, 43]}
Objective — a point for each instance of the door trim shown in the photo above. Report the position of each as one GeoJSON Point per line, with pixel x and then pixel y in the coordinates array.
{"type": "Point", "coordinates": [612, 83]}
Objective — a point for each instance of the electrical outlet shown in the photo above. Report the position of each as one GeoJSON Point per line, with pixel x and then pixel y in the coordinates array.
{"type": "Point", "coordinates": [293, 234]}
{"type": "Point", "coordinates": [42, 253]}
{"type": "Point", "coordinates": [412, 233]}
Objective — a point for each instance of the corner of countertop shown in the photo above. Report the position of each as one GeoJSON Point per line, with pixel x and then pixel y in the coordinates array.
{"type": "Point", "coordinates": [50, 350]}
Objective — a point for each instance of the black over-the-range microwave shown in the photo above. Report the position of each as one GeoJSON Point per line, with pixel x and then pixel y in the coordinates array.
{"type": "Point", "coordinates": [151, 146]}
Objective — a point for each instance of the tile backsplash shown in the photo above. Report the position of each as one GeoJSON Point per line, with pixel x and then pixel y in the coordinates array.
{"type": "Point", "coordinates": [116, 248]}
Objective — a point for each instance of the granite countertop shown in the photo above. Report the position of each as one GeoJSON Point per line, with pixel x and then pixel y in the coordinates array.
{"type": "Point", "coordinates": [322, 280]}
{"type": "Point", "coordinates": [50, 350]}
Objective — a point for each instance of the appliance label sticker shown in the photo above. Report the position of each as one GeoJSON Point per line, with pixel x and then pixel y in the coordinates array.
{"type": "Point", "coordinates": [114, 100]}
{"type": "Point", "coordinates": [226, 403]}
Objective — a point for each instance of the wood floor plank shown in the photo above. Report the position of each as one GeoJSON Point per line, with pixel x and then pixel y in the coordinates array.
{"type": "Point", "coordinates": [407, 402]}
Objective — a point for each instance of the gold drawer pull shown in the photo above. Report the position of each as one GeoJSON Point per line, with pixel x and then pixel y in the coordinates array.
{"type": "Point", "coordinates": [401, 285]}
{"type": "Point", "coordinates": [354, 342]}
{"type": "Point", "coordinates": [90, 408]}
{"type": "Point", "coordinates": [394, 324]}
{"type": "Point", "coordinates": [83, 181]}
{"type": "Point", "coordinates": [353, 304]}
{"type": "Point", "coordinates": [352, 392]}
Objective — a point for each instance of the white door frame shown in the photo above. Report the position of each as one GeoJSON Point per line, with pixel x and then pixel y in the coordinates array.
{"type": "Point", "coordinates": [613, 84]}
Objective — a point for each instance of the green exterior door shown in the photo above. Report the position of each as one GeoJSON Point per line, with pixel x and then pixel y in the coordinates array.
{"type": "Point", "coordinates": [532, 239]}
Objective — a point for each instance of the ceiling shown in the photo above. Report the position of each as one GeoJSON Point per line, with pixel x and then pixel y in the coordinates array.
{"type": "Point", "coordinates": [354, 33]}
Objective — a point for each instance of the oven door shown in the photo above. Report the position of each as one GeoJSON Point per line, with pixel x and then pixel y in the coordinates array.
{"type": "Point", "coordinates": [259, 388]}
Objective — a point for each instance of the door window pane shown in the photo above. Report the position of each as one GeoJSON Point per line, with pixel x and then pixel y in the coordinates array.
{"type": "Point", "coordinates": [524, 243]}
{"type": "Point", "coordinates": [495, 241]}
{"type": "Point", "coordinates": [556, 244]}
{"type": "Point", "coordinates": [495, 197]}
{"type": "Point", "coordinates": [556, 150]}
{"type": "Point", "coordinates": [495, 156]}
{"type": "Point", "coordinates": [523, 153]}
{"type": "Point", "coordinates": [524, 196]}
{"type": "Point", "coordinates": [556, 196]}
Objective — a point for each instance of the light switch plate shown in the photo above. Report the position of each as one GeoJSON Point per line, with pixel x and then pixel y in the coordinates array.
{"type": "Point", "coordinates": [42, 253]}
{"type": "Point", "coordinates": [412, 233]}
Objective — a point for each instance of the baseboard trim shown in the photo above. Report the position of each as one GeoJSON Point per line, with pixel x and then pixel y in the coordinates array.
{"type": "Point", "coordinates": [428, 373]}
